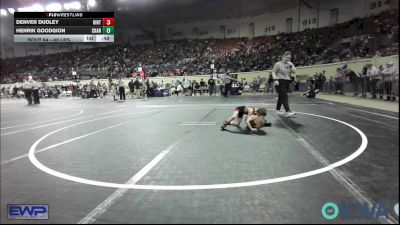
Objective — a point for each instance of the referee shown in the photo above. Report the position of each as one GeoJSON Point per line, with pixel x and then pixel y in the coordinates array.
{"type": "Point", "coordinates": [282, 79]}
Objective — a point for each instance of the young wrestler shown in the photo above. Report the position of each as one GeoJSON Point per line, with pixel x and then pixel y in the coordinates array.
{"type": "Point", "coordinates": [311, 93]}
{"type": "Point", "coordinates": [255, 118]}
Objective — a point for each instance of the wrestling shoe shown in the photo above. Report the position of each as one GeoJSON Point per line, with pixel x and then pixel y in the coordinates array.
{"type": "Point", "coordinates": [289, 114]}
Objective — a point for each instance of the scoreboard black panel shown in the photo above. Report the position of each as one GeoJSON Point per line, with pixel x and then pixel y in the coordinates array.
{"type": "Point", "coordinates": [64, 26]}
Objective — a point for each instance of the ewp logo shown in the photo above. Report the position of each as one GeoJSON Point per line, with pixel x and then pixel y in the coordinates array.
{"type": "Point", "coordinates": [28, 212]}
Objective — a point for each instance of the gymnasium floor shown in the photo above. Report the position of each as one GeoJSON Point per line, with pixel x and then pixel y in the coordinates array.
{"type": "Point", "coordinates": [166, 160]}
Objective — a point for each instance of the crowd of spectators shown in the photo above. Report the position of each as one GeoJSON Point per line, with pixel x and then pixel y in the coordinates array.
{"type": "Point", "coordinates": [358, 38]}
{"type": "Point", "coordinates": [366, 37]}
{"type": "Point", "coordinates": [136, 88]}
{"type": "Point", "coordinates": [374, 82]}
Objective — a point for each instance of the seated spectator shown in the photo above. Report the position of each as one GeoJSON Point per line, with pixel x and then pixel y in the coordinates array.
{"type": "Point", "coordinates": [178, 89]}
{"type": "Point", "coordinates": [311, 93]}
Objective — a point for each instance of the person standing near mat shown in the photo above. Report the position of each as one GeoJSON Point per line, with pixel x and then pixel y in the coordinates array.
{"type": "Point", "coordinates": [27, 87]}
{"type": "Point", "coordinates": [388, 73]}
{"type": "Point", "coordinates": [35, 92]}
{"type": "Point", "coordinates": [281, 74]}
{"type": "Point", "coordinates": [121, 90]}
{"type": "Point", "coordinates": [227, 79]}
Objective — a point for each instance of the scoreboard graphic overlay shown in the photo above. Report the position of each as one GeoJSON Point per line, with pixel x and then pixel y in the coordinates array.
{"type": "Point", "coordinates": [64, 26]}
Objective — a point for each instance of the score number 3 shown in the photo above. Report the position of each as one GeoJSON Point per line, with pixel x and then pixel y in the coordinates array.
{"type": "Point", "coordinates": [108, 21]}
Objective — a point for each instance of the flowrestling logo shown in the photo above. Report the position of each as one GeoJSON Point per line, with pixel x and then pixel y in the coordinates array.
{"type": "Point", "coordinates": [348, 210]}
{"type": "Point", "coordinates": [28, 212]}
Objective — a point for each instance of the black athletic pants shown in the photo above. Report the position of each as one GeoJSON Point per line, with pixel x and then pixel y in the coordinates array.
{"type": "Point", "coordinates": [28, 95]}
{"type": "Point", "coordinates": [121, 93]}
{"type": "Point", "coordinates": [227, 89]}
{"type": "Point", "coordinates": [35, 93]}
{"type": "Point", "coordinates": [283, 89]}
